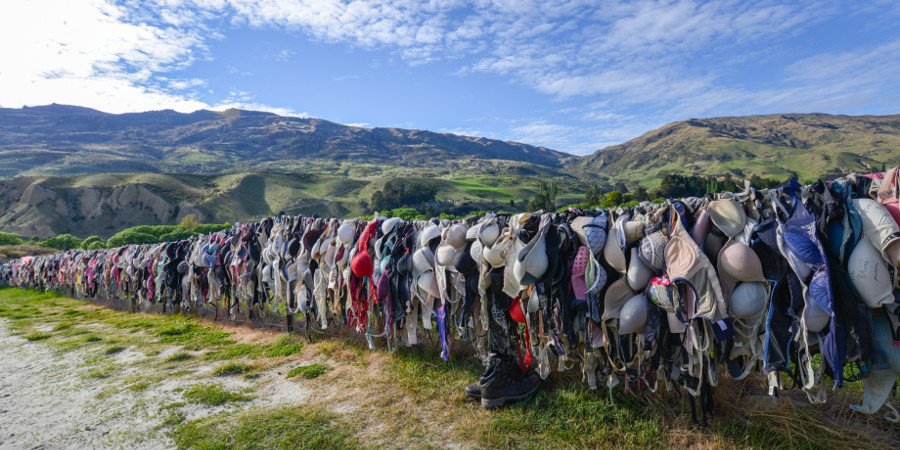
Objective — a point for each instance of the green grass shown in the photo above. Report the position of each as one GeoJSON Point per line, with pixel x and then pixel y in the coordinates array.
{"type": "Point", "coordinates": [100, 372]}
{"type": "Point", "coordinates": [563, 414]}
{"type": "Point", "coordinates": [192, 335]}
{"type": "Point", "coordinates": [574, 416]}
{"type": "Point", "coordinates": [298, 427]}
{"type": "Point", "coordinates": [309, 372]}
{"type": "Point", "coordinates": [180, 356]}
{"type": "Point", "coordinates": [232, 368]}
{"type": "Point", "coordinates": [213, 395]}
{"type": "Point", "coordinates": [174, 418]}
{"type": "Point", "coordinates": [284, 345]}
{"type": "Point", "coordinates": [235, 351]}
{"type": "Point", "coordinates": [112, 350]}
{"type": "Point", "coordinates": [38, 336]}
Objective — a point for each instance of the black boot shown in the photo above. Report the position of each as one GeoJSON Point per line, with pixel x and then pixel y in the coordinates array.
{"type": "Point", "coordinates": [474, 390]}
{"type": "Point", "coordinates": [508, 385]}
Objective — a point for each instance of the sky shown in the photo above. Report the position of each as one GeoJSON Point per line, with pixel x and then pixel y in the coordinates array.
{"type": "Point", "coordinates": [570, 75]}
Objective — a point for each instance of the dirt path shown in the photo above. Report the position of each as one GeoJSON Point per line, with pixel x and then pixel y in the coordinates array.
{"type": "Point", "coordinates": [46, 404]}
{"type": "Point", "coordinates": [46, 401]}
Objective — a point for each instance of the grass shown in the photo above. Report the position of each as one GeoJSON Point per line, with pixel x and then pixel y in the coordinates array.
{"type": "Point", "coordinates": [38, 336]}
{"type": "Point", "coordinates": [100, 372]}
{"type": "Point", "coordinates": [235, 351]}
{"type": "Point", "coordinates": [180, 356]}
{"type": "Point", "coordinates": [112, 350]}
{"type": "Point", "coordinates": [309, 372]}
{"type": "Point", "coordinates": [232, 368]}
{"type": "Point", "coordinates": [174, 418]}
{"type": "Point", "coordinates": [303, 427]}
{"type": "Point", "coordinates": [574, 416]}
{"type": "Point", "coordinates": [192, 335]}
{"type": "Point", "coordinates": [284, 345]}
{"type": "Point", "coordinates": [213, 395]}
{"type": "Point", "coordinates": [415, 384]}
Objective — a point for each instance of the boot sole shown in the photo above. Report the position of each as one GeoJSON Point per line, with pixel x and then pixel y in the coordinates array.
{"type": "Point", "coordinates": [503, 401]}
{"type": "Point", "coordinates": [476, 397]}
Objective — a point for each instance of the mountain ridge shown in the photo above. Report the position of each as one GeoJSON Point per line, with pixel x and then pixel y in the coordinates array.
{"type": "Point", "coordinates": [772, 145]}
{"type": "Point", "coordinates": [56, 139]}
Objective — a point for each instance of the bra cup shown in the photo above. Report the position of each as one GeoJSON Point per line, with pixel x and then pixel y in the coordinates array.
{"type": "Point", "coordinates": [740, 262]}
{"type": "Point", "coordinates": [614, 256]}
{"type": "Point", "coordinates": [475, 251]}
{"type": "Point", "coordinates": [489, 234]}
{"type": "Point", "coordinates": [616, 295]}
{"type": "Point", "coordinates": [681, 256]}
{"type": "Point", "coordinates": [701, 228]}
{"type": "Point", "coordinates": [815, 317]}
{"type": "Point", "coordinates": [420, 260]}
{"type": "Point", "coordinates": [638, 273]}
{"type": "Point", "coordinates": [870, 275]}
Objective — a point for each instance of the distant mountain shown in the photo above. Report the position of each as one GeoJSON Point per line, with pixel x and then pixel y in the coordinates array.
{"type": "Point", "coordinates": [67, 169]}
{"type": "Point", "coordinates": [811, 145]}
{"type": "Point", "coordinates": [102, 204]}
{"type": "Point", "coordinates": [60, 139]}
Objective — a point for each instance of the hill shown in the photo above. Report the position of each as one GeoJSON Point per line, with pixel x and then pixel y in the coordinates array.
{"type": "Point", "coordinates": [65, 140]}
{"type": "Point", "coordinates": [103, 204]}
{"type": "Point", "coordinates": [67, 169]}
{"type": "Point", "coordinates": [774, 146]}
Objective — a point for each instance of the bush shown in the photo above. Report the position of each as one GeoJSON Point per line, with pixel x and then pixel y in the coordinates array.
{"type": "Point", "coordinates": [62, 242]}
{"type": "Point", "coordinates": [545, 198]}
{"type": "Point", "coordinates": [207, 228]}
{"type": "Point", "coordinates": [189, 222]}
{"type": "Point", "coordinates": [176, 235]}
{"type": "Point", "coordinates": [90, 240]}
{"type": "Point", "coordinates": [404, 192]}
{"type": "Point", "coordinates": [131, 237]}
{"type": "Point", "coordinates": [404, 213]}
{"type": "Point", "coordinates": [611, 199]}
{"type": "Point", "coordinates": [10, 238]}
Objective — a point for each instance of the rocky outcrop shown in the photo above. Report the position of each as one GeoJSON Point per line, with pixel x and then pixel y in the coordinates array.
{"type": "Point", "coordinates": [38, 210]}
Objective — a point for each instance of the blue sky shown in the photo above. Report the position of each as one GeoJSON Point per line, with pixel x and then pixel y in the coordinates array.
{"type": "Point", "coordinates": [570, 75]}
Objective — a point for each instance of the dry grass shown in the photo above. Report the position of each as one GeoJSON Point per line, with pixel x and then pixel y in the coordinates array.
{"type": "Point", "coordinates": [20, 250]}
{"type": "Point", "coordinates": [411, 398]}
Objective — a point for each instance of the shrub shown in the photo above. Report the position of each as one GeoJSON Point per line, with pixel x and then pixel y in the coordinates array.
{"type": "Point", "coordinates": [130, 237]}
{"type": "Point", "coordinates": [62, 242]}
{"type": "Point", "coordinates": [10, 238]}
{"type": "Point", "coordinates": [400, 192]}
{"type": "Point", "coordinates": [90, 240]}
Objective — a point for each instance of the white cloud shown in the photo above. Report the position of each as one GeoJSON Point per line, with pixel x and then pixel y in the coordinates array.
{"type": "Point", "coordinates": [578, 140]}
{"type": "Point", "coordinates": [88, 53]}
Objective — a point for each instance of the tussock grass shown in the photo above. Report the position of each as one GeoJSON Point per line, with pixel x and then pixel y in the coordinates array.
{"type": "Point", "coordinates": [180, 356]}
{"type": "Point", "coordinates": [112, 350]}
{"type": "Point", "coordinates": [232, 368]}
{"type": "Point", "coordinates": [284, 345]}
{"type": "Point", "coordinates": [309, 372]}
{"type": "Point", "coordinates": [303, 427]}
{"type": "Point", "coordinates": [38, 336]}
{"type": "Point", "coordinates": [234, 351]}
{"type": "Point", "coordinates": [192, 335]}
{"type": "Point", "coordinates": [100, 372]}
{"type": "Point", "coordinates": [175, 417]}
{"type": "Point", "coordinates": [213, 395]}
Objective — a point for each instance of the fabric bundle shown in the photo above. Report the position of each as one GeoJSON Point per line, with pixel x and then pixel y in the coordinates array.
{"type": "Point", "coordinates": [798, 283]}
